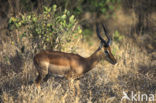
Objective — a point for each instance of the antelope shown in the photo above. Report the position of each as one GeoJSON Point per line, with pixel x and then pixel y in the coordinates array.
{"type": "Point", "coordinates": [72, 65]}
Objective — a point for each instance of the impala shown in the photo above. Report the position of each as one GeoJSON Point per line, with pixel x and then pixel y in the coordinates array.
{"type": "Point", "coordinates": [72, 65]}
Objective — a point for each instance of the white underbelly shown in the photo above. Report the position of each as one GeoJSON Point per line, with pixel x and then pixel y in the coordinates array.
{"type": "Point", "coordinates": [60, 70]}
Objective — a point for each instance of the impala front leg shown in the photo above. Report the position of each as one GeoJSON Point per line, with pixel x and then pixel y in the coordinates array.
{"type": "Point", "coordinates": [70, 77]}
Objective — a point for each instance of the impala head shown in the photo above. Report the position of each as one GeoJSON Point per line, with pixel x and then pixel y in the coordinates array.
{"type": "Point", "coordinates": [106, 45]}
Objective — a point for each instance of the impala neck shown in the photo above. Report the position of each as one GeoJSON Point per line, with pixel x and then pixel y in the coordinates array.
{"type": "Point", "coordinates": [95, 58]}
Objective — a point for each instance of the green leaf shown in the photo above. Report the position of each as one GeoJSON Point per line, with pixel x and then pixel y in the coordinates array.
{"type": "Point", "coordinates": [63, 16]}
{"type": "Point", "coordinates": [34, 19]}
{"type": "Point", "coordinates": [71, 19]}
{"type": "Point", "coordinates": [23, 17]}
{"type": "Point", "coordinates": [103, 10]}
{"type": "Point", "coordinates": [29, 17]}
{"type": "Point", "coordinates": [12, 20]}
{"type": "Point", "coordinates": [111, 7]}
{"type": "Point", "coordinates": [54, 7]}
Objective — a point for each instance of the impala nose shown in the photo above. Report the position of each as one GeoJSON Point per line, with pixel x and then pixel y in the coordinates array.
{"type": "Point", "coordinates": [114, 62]}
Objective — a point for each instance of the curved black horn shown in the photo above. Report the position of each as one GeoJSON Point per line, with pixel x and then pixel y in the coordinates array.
{"type": "Point", "coordinates": [98, 34]}
{"type": "Point", "coordinates": [106, 33]}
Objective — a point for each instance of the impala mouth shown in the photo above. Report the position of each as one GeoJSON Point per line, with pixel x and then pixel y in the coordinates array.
{"type": "Point", "coordinates": [114, 62]}
{"type": "Point", "coordinates": [111, 60]}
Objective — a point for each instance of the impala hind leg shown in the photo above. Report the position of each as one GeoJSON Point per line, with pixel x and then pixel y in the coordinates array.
{"type": "Point", "coordinates": [47, 77]}
{"type": "Point", "coordinates": [43, 71]}
{"type": "Point", "coordinates": [38, 80]}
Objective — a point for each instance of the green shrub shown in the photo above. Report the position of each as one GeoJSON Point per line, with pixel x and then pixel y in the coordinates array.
{"type": "Point", "coordinates": [117, 36]}
{"type": "Point", "coordinates": [79, 7]}
{"type": "Point", "coordinates": [105, 7]}
{"type": "Point", "coordinates": [53, 28]}
{"type": "Point", "coordinates": [117, 40]}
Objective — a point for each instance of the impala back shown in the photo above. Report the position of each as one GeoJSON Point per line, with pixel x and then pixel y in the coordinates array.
{"type": "Point", "coordinates": [57, 62]}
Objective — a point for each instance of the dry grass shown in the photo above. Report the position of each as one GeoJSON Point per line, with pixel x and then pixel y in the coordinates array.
{"type": "Point", "coordinates": [135, 71]}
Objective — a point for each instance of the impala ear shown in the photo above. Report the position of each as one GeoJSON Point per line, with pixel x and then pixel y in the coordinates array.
{"type": "Point", "coordinates": [101, 44]}
{"type": "Point", "coordinates": [109, 43]}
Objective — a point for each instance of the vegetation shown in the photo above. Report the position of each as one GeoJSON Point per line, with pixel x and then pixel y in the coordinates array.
{"type": "Point", "coordinates": [105, 7]}
{"type": "Point", "coordinates": [28, 26]}
{"type": "Point", "coordinates": [49, 29]}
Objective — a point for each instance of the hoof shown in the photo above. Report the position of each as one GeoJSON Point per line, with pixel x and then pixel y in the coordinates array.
{"type": "Point", "coordinates": [38, 85]}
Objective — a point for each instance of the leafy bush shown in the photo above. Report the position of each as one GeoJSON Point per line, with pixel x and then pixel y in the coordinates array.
{"type": "Point", "coordinates": [99, 6]}
{"type": "Point", "coordinates": [117, 36]}
{"type": "Point", "coordinates": [105, 7]}
{"type": "Point", "coordinates": [53, 28]}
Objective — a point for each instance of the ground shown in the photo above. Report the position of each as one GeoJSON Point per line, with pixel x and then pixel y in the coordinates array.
{"type": "Point", "coordinates": [135, 70]}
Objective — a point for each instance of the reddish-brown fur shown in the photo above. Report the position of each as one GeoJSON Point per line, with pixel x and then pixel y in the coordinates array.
{"type": "Point", "coordinates": [76, 64]}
